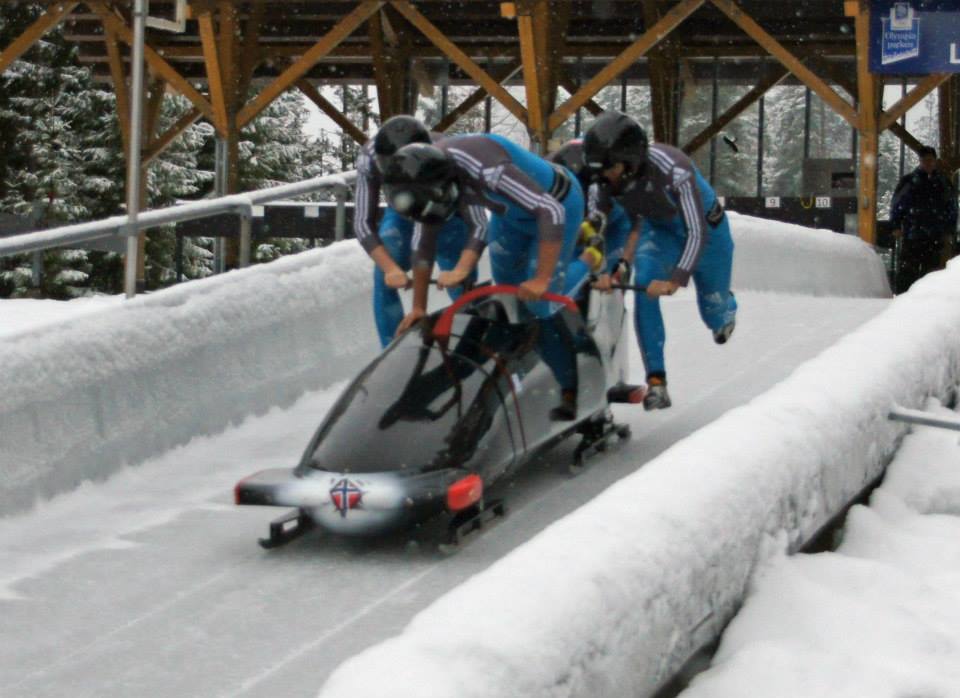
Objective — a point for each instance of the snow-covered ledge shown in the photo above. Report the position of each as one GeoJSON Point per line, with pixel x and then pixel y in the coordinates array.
{"type": "Point", "coordinates": [84, 397]}
{"type": "Point", "coordinates": [787, 258]}
{"type": "Point", "coordinates": [611, 600]}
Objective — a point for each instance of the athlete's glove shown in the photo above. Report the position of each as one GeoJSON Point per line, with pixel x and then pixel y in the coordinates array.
{"type": "Point", "coordinates": [593, 226]}
{"type": "Point", "coordinates": [593, 249]}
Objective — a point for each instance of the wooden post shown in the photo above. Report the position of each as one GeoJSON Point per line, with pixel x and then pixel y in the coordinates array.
{"type": "Point", "coordinates": [118, 75]}
{"type": "Point", "coordinates": [662, 80]}
{"type": "Point", "coordinates": [948, 123]}
{"type": "Point", "coordinates": [533, 23]}
{"type": "Point", "coordinates": [868, 89]}
{"type": "Point", "coordinates": [383, 70]}
{"type": "Point", "coordinates": [237, 247]}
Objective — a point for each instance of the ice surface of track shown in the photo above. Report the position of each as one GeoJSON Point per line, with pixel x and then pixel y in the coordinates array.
{"type": "Point", "coordinates": [151, 584]}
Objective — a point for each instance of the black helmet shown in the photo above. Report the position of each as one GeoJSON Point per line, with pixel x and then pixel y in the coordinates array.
{"type": "Point", "coordinates": [570, 155]}
{"type": "Point", "coordinates": [615, 137]}
{"type": "Point", "coordinates": [396, 132]}
{"type": "Point", "coordinates": [420, 182]}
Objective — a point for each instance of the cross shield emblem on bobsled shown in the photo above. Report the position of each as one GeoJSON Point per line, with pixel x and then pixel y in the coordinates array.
{"type": "Point", "coordinates": [345, 496]}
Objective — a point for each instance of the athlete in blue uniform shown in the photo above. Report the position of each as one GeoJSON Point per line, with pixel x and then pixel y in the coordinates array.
{"type": "Point", "coordinates": [684, 233]}
{"type": "Point", "coordinates": [389, 243]}
{"type": "Point", "coordinates": [603, 238]}
{"type": "Point", "coordinates": [536, 209]}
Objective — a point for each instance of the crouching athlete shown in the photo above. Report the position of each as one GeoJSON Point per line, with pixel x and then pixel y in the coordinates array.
{"type": "Point", "coordinates": [536, 208]}
{"type": "Point", "coordinates": [389, 244]}
{"type": "Point", "coordinates": [684, 233]}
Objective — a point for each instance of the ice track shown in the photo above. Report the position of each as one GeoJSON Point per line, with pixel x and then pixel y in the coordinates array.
{"type": "Point", "coordinates": [151, 584]}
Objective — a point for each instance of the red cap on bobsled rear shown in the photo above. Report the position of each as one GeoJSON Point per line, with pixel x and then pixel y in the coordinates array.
{"type": "Point", "coordinates": [464, 493]}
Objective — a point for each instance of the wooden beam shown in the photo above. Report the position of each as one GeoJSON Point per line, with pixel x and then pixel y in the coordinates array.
{"type": "Point", "coordinates": [152, 111]}
{"type": "Point", "coordinates": [947, 104]}
{"type": "Point", "coordinates": [313, 94]}
{"type": "Point", "coordinates": [211, 58]}
{"type": "Point", "coordinates": [381, 71]}
{"type": "Point", "coordinates": [868, 86]}
{"type": "Point", "coordinates": [229, 57]}
{"type": "Point", "coordinates": [55, 14]}
{"type": "Point", "coordinates": [460, 58]}
{"type": "Point", "coordinates": [119, 79]}
{"type": "Point", "coordinates": [295, 72]}
{"type": "Point", "coordinates": [653, 36]}
{"type": "Point", "coordinates": [163, 141]}
{"type": "Point", "coordinates": [457, 113]}
{"type": "Point", "coordinates": [534, 77]}
{"type": "Point", "coordinates": [662, 80]}
{"type": "Point", "coordinates": [741, 105]}
{"type": "Point", "coordinates": [605, 50]}
{"type": "Point", "coordinates": [732, 10]}
{"type": "Point", "coordinates": [567, 83]}
{"type": "Point", "coordinates": [251, 47]}
{"type": "Point", "coordinates": [477, 96]}
{"type": "Point", "coordinates": [556, 26]}
{"type": "Point", "coordinates": [156, 62]}
{"type": "Point", "coordinates": [909, 100]}
{"type": "Point", "coordinates": [904, 135]}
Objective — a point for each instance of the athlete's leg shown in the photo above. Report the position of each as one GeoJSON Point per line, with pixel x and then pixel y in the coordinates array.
{"type": "Point", "coordinates": [712, 279]}
{"type": "Point", "coordinates": [654, 259]}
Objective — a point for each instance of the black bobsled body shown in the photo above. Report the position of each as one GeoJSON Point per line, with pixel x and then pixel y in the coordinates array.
{"type": "Point", "coordinates": [433, 420]}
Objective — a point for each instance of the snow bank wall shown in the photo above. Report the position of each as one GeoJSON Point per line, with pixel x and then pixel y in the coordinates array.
{"type": "Point", "coordinates": [614, 598]}
{"type": "Point", "coordinates": [775, 256]}
{"type": "Point", "coordinates": [84, 397]}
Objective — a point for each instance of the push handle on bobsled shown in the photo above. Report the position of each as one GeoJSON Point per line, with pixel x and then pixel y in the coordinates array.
{"type": "Point", "coordinates": [443, 326]}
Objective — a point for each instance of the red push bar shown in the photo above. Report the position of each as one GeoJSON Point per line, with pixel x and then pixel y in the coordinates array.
{"type": "Point", "coordinates": [443, 326]}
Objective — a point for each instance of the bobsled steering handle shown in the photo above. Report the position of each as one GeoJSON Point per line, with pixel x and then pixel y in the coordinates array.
{"type": "Point", "coordinates": [443, 326]}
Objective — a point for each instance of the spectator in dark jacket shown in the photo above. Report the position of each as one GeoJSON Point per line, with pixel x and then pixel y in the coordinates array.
{"type": "Point", "coordinates": [924, 216]}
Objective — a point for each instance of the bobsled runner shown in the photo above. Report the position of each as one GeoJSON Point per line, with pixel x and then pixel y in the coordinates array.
{"type": "Point", "coordinates": [447, 410]}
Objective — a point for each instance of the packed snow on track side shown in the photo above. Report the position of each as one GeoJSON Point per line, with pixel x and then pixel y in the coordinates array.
{"type": "Point", "coordinates": [878, 618]}
{"type": "Point", "coordinates": [612, 599]}
{"type": "Point", "coordinates": [86, 396]}
{"type": "Point", "coordinates": [27, 314]}
{"type": "Point", "coordinates": [787, 258]}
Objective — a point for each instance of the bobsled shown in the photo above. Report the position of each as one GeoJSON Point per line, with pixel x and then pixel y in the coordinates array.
{"type": "Point", "coordinates": [450, 408]}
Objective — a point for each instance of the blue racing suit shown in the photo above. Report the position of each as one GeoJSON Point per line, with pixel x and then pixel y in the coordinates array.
{"type": "Point", "coordinates": [395, 234]}
{"type": "Point", "coordinates": [684, 233]}
{"type": "Point", "coordinates": [530, 200]}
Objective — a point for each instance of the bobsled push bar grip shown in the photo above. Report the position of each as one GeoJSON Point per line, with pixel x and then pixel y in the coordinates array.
{"type": "Point", "coordinates": [441, 330]}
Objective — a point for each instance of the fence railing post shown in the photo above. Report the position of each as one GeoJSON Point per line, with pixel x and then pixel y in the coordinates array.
{"type": "Point", "coordinates": [36, 271]}
{"type": "Point", "coordinates": [246, 234]}
{"type": "Point", "coordinates": [340, 222]}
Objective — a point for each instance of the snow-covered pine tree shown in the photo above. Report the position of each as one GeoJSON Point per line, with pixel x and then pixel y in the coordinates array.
{"type": "Point", "coordinates": [47, 104]}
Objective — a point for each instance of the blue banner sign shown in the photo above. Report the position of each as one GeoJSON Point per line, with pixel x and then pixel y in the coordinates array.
{"type": "Point", "coordinates": [914, 37]}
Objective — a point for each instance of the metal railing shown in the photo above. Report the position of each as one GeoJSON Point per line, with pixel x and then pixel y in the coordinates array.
{"type": "Point", "coordinates": [240, 204]}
